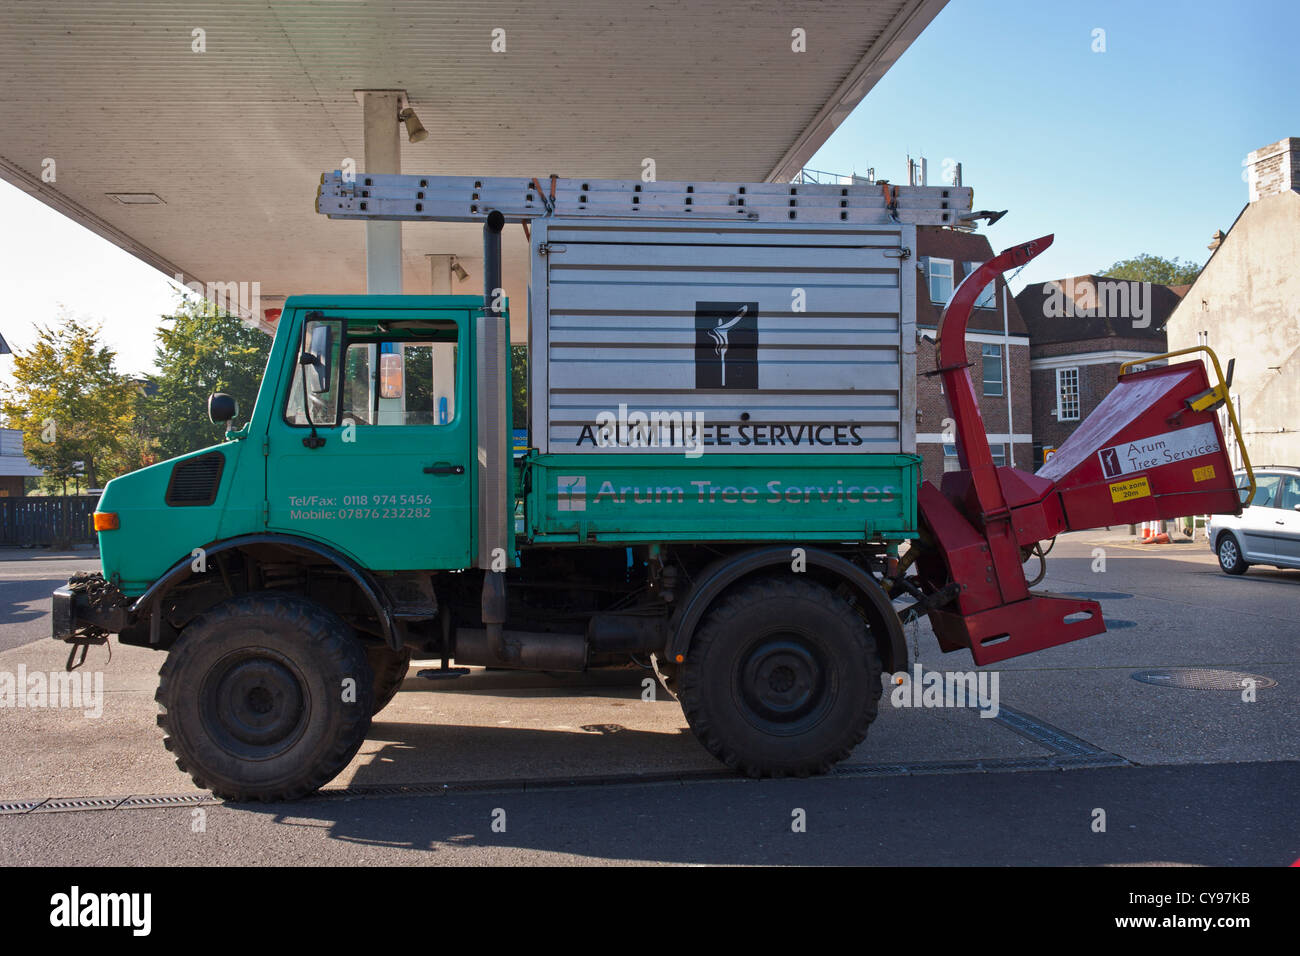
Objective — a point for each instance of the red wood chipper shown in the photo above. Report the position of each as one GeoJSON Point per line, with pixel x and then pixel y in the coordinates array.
{"type": "Point", "coordinates": [1153, 449]}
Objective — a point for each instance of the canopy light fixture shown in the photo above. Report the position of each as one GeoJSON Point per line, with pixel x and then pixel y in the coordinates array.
{"type": "Point", "coordinates": [415, 130]}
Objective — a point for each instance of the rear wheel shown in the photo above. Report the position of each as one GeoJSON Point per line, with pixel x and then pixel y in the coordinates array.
{"type": "Point", "coordinates": [1230, 557]}
{"type": "Point", "coordinates": [265, 697]}
{"type": "Point", "coordinates": [782, 678]}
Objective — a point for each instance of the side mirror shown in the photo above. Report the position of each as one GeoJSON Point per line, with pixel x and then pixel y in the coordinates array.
{"type": "Point", "coordinates": [321, 349]}
{"type": "Point", "coordinates": [222, 408]}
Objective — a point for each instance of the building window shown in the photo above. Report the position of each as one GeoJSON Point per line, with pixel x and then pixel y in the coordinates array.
{"type": "Point", "coordinates": [1067, 394]}
{"type": "Point", "coordinates": [992, 369]}
{"type": "Point", "coordinates": [938, 274]}
{"type": "Point", "coordinates": [989, 297]}
{"type": "Point", "coordinates": [950, 462]}
{"type": "Point", "coordinates": [999, 453]}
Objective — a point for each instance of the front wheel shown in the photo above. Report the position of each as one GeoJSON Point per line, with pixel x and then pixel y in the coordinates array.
{"type": "Point", "coordinates": [265, 697]}
{"type": "Point", "coordinates": [390, 668]}
{"type": "Point", "coordinates": [1230, 557]}
{"type": "Point", "coordinates": [782, 679]}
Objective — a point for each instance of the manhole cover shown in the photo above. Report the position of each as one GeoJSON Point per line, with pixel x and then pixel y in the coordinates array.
{"type": "Point", "coordinates": [1201, 678]}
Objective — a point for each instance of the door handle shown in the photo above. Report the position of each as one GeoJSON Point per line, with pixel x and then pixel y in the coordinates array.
{"type": "Point", "coordinates": [443, 468]}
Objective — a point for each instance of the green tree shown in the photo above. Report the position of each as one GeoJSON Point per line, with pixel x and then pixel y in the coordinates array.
{"type": "Point", "coordinates": [200, 351]}
{"type": "Point", "coordinates": [519, 385]}
{"type": "Point", "coordinates": [1157, 269]}
{"type": "Point", "coordinates": [74, 408]}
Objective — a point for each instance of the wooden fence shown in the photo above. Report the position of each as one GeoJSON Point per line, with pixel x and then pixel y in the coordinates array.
{"type": "Point", "coordinates": [43, 521]}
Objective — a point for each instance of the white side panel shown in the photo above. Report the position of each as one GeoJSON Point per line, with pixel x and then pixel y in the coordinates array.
{"type": "Point", "coordinates": [776, 338]}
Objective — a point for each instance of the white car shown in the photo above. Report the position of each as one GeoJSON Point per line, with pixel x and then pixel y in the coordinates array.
{"type": "Point", "coordinates": [1266, 532]}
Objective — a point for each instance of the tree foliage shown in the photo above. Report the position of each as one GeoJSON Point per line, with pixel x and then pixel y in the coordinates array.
{"type": "Point", "coordinates": [200, 351]}
{"type": "Point", "coordinates": [72, 405]}
{"type": "Point", "coordinates": [519, 385]}
{"type": "Point", "coordinates": [1156, 269]}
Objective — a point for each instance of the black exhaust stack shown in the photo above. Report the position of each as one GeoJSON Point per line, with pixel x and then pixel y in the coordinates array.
{"type": "Point", "coordinates": [491, 431]}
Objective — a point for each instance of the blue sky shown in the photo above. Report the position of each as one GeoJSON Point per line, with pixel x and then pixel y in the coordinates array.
{"type": "Point", "coordinates": [1135, 149]}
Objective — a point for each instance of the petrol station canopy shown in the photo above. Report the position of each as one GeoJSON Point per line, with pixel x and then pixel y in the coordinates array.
{"type": "Point", "coordinates": [193, 134]}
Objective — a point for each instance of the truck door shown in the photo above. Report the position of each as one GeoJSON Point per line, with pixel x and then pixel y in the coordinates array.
{"type": "Point", "coordinates": [377, 462]}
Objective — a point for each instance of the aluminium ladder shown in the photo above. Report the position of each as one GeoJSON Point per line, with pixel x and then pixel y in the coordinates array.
{"type": "Point", "coordinates": [519, 199]}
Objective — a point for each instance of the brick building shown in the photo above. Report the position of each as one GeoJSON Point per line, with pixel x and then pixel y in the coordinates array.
{"type": "Point", "coordinates": [997, 346]}
{"type": "Point", "coordinates": [1081, 330]}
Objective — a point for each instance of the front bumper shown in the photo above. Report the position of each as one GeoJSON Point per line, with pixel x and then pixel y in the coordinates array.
{"type": "Point", "coordinates": [87, 609]}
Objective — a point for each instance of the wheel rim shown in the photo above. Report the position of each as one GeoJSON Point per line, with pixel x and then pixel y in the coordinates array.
{"type": "Point", "coordinates": [1228, 553]}
{"type": "Point", "coordinates": [254, 704]}
{"type": "Point", "coordinates": [784, 683]}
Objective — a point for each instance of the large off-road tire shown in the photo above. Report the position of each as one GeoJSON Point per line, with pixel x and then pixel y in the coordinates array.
{"type": "Point", "coordinates": [265, 697]}
{"type": "Point", "coordinates": [782, 679]}
{"type": "Point", "coordinates": [390, 668]}
{"type": "Point", "coordinates": [1231, 557]}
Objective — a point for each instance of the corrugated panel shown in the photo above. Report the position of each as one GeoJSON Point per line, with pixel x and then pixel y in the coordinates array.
{"type": "Point", "coordinates": [234, 138]}
{"type": "Point", "coordinates": [632, 315]}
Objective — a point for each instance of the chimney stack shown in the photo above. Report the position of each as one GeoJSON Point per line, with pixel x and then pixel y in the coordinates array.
{"type": "Point", "coordinates": [1274, 168]}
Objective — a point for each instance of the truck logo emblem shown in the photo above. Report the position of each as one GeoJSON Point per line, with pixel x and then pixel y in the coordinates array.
{"type": "Point", "coordinates": [726, 345]}
{"type": "Point", "coordinates": [571, 493]}
{"type": "Point", "coordinates": [1110, 465]}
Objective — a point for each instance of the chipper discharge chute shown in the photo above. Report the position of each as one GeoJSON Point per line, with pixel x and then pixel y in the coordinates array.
{"type": "Point", "coordinates": [1153, 449]}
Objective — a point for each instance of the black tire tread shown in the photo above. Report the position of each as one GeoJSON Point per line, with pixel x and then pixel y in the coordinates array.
{"type": "Point", "coordinates": [327, 637]}
{"type": "Point", "coordinates": [689, 678]}
{"type": "Point", "coordinates": [390, 668]}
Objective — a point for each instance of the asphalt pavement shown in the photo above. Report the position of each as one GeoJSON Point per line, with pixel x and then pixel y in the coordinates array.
{"type": "Point", "coordinates": [504, 768]}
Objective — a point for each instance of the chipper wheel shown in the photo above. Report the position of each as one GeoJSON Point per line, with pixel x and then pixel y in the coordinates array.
{"type": "Point", "coordinates": [265, 697]}
{"type": "Point", "coordinates": [782, 679]}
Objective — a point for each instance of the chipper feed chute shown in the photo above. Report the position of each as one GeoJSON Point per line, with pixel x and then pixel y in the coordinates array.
{"type": "Point", "coordinates": [1153, 449]}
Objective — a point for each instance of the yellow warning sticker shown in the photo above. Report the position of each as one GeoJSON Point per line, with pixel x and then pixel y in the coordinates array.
{"type": "Point", "coordinates": [1128, 490]}
{"type": "Point", "coordinates": [1203, 474]}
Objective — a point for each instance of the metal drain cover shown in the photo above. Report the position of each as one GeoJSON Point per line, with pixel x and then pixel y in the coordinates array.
{"type": "Point", "coordinates": [1201, 678]}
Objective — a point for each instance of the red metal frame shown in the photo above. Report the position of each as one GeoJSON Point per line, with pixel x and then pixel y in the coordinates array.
{"type": "Point", "coordinates": [980, 524]}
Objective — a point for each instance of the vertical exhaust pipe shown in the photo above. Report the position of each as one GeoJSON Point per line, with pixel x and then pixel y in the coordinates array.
{"type": "Point", "coordinates": [495, 516]}
{"type": "Point", "coordinates": [496, 222]}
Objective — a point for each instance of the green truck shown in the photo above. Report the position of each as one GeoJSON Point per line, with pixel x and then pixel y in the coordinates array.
{"type": "Point", "coordinates": [720, 468]}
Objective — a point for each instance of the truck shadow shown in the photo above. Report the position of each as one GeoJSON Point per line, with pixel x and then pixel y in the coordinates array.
{"type": "Point", "coordinates": [525, 779]}
{"type": "Point", "coordinates": [15, 594]}
{"type": "Point", "coordinates": [730, 820]}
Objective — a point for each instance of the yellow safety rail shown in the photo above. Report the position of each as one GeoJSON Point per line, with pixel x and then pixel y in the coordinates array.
{"type": "Point", "coordinates": [1216, 395]}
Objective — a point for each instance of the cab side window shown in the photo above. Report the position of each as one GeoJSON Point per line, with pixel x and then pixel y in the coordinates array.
{"type": "Point", "coordinates": [400, 383]}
